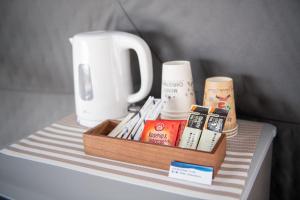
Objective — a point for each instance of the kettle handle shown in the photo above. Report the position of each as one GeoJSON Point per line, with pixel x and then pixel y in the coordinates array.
{"type": "Point", "coordinates": [130, 41]}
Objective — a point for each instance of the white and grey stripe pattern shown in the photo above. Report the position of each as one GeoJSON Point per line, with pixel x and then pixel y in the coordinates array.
{"type": "Point", "coordinates": [61, 145]}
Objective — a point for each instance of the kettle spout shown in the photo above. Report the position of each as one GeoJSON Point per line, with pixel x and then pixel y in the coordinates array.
{"type": "Point", "coordinates": [71, 40]}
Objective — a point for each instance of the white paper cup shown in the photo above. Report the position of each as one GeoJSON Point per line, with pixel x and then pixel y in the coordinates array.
{"type": "Point", "coordinates": [177, 91]}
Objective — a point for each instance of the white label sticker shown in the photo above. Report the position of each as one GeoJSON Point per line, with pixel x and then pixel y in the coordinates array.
{"type": "Point", "coordinates": [191, 172]}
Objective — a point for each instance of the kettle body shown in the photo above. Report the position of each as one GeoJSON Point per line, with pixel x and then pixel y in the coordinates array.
{"type": "Point", "coordinates": [102, 75]}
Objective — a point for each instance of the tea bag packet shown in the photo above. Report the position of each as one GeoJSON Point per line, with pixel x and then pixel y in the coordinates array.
{"type": "Point", "coordinates": [163, 132]}
{"type": "Point", "coordinates": [193, 129]}
{"type": "Point", "coordinates": [216, 120]}
{"type": "Point", "coordinates": [213, 130]}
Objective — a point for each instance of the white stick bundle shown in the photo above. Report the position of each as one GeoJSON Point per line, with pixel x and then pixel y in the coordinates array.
{"type": "Point", "coordinates": [152, 115]}
{"type": "Point", "coordinates": [132, 125]}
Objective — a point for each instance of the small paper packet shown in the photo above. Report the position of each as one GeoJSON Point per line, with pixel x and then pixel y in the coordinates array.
{"type": "Point", "coordinates": [204, 128]}
{"type": "Point", "coordinates": [193, 129]}
{"type": "Point", "coordinates": [213, 129]}
{"type": "Point", "coordinates": [163, 132]}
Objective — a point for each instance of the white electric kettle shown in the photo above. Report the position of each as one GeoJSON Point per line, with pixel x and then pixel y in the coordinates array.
{"type": "Point", "coordinates": [102, 74]}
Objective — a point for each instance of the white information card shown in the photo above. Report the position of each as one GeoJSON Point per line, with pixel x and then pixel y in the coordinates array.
{"type": "Point", "coordinates": [191, 172]}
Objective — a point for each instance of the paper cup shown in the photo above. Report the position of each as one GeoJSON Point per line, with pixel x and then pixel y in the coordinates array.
{"type": "Point", "coordinates": [219, 93]}
{"type": "Point", "coordinates": [177, 91]}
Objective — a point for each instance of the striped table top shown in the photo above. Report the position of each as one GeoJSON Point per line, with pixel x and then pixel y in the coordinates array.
{"type": "Point", "coordinates": [60, 144]}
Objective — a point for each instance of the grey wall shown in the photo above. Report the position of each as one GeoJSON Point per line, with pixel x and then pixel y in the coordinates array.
{"type": "Point", "coordinates": [35, 53]}
{"type": "Point", "coordinates": [257, 42]}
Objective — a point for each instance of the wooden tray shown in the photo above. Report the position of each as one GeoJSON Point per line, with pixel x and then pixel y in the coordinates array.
{"type": "Point", "coordinates": [97, 143]}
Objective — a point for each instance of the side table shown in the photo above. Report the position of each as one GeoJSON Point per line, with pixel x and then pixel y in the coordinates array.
{"type": "Point", "coordinates": [27, 178]}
